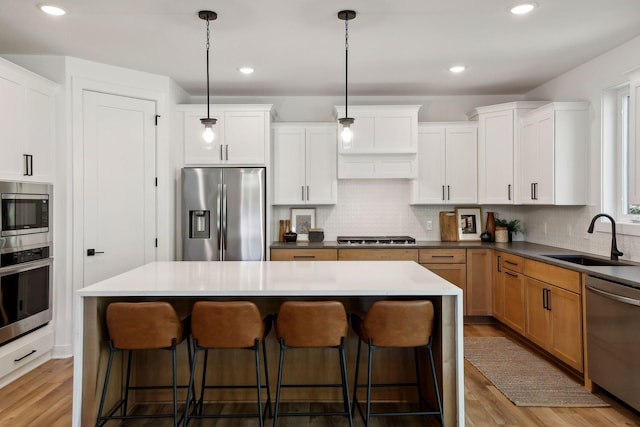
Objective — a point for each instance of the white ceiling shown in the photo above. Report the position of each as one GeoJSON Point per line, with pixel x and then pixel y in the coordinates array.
{"type": "Point", "coordinates": [396, 47]}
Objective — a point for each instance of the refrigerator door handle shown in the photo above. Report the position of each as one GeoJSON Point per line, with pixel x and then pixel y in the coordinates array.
{"type": "Point", "coordinates": [219, 206]}
{"type": "Point", "coordinates": [224, 221]}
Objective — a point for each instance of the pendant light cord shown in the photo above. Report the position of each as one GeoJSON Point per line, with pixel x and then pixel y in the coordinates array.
{"type": "Point", "coordinates": [346, 68]}
{"type": "Point", "coordinates": [208, 90]}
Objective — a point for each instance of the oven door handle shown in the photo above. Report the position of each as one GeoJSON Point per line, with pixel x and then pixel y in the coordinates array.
{"type": "Point", "coordinates": [619, 298]}
{"type": "Point", "coordinates": [4, 271]}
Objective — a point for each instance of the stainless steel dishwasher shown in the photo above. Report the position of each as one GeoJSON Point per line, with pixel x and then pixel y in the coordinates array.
{"type": "Point", "coordinates": [613, 338]}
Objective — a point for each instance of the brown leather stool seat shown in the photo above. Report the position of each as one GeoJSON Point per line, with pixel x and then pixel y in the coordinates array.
{"type": "Point", "coordinates": [228, 325]}
{"type": "Point", "coordinates": [142, 326]}
{"type": "Point", "coordinates": [407, 324]}
{"type": "Point", "coordinates": [313, 324]}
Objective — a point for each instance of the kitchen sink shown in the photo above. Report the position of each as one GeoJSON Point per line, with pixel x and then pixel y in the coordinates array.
{"type": "Point", "coordinates": [587, 260]}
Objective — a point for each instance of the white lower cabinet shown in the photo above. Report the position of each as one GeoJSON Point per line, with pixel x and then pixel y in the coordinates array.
{"type": "Point", "coordinates": [555, 145]}
{"type": "Point", "coordinates": [304, 164]}
{"type": "Point", "coordinates": [242, 134]}
{"type": "Point", "coordinates": [447, 164]}
{"type": "Point", "coordinates": [25, 353]}
{"type": "Point", "coordinates": [27, 133]}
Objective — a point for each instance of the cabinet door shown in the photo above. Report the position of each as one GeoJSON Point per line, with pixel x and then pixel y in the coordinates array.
{"type": "Point", "coordinates": [530, 141]}
{"type": "Point", "coordinates": [321, 177]}
{"type": "Point", "coordinates": [40, 135]}
{"type": "Point", "coordinates": [378, 255]}
{"type": "Point", "coordinates": [566, 324]}
{"type": "Point", "coordinates": [454, 273]}
{"type": "Point", "coordinates": [395, 132]}
{"type": "Point", "coordinates": [514, 304]}
{"type": "Point", "coordinates": [479, 282]}
{"type": "Point", "coordinates": [289, 165]}
{"type": "Point", "coordinates": [545, 182]}
{"type": "Point", "coordinates": [498, 287]}
{"type": "Point", "coordinates": [461, 165]}
{"type": "Point", "coordinates": [537, 323]}
{"type": "Point", "coordinates": [495, 157]}
{"type": "Point", "coordinates": [196, 152]}
{"type": "Point", "coordinates": [430, 185]}
{"type": "Point", "coordinates": [12, 111]}
{"type": "Point", "coordinates": [245, 136]}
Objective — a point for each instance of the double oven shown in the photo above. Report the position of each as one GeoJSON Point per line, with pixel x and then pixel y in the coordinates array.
{"type": "Point", "coordinates": [25, 258]}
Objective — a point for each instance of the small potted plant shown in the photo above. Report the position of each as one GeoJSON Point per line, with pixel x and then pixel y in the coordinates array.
{"type": "Point", "coordinates": [512, 226]}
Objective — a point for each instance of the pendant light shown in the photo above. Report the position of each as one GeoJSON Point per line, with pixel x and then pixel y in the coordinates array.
{"type": "Point", "coordinates": [346, 121]}
{"type": "Point", "coordinates": [208, 135]}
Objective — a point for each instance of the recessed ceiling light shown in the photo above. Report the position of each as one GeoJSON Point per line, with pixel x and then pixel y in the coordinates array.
{"type": "Point", "coordinates": [457, 68]}
{"type": "Point", "coordinates": [50, 9]}
{"type": "Point", "coordinates": [523, 9]}
{"type": "Point", "coordinates": [246, 70]}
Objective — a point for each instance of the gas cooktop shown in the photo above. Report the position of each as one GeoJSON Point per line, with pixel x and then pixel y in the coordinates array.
{"type": "Point", "coordinates": [376, 240]}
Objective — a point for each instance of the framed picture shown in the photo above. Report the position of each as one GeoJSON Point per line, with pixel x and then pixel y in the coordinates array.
{"type": "Point", "coordinates": [302, 220]}
{"type": "Point", "coordinates": [469, 223]}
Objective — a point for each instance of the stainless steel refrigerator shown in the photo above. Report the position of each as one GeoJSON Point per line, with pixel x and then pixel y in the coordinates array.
{"type": "Point", "coordinates": [223, 214]}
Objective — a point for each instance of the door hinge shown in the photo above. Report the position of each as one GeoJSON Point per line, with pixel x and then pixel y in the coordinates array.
{"type": "Point", "coordinates": [156, 242]}
{"type": "Point", "coordinates": [157, 117]}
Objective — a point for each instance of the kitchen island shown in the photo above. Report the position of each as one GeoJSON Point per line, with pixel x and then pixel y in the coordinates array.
{"type": "Point", "coordinates": [356, 283]}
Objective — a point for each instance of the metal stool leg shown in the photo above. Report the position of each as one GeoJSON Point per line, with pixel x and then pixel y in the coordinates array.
{"type": "Point", "coordinates": [106, 384]}
{"type": "Point", "coordinates": [354, 403]}
{"type": "Point", "coordinates": [366, 422]}
{"type": "Point", "coordinates": [345, 382]}
{"type": "Point", "coordinates": [418, 382]}
{"type": "Point", "coordinates": [277, 408]}
{"type": "Point", "coordinates": [200, 405]}
{"type": "Point", "coordinates": [125, 401]}
{"type": "Point", "coordinates": [266, 377]}
{"type": "Point", "coordinates": [258, 382]}
{"type": "Point", "coordinates": [435, 383]}
{"type": "Point", "coordinates": [174, 359]}
{"type": "Point", "coordinates": [191, 388]}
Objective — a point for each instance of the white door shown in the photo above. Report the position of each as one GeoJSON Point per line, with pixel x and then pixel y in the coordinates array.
{"type": "Point", "coordinates": [119, 184]}
{"type": "Point", "coordinates": [495, 155]}
{"type": "Point", "coordinates": [288, 165]}
{"type": "Point", "coordinates": [430, 186]}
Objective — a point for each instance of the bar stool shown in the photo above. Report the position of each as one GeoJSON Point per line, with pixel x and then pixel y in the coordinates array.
{"type": "Point", "coordinates": [396, 324]}
{"type": "Point", "coordinates": [142, 326]}
{"type": "Point", "coordinates": [313, 324]}
{"type": "Point", "coordinates": [228, 325]}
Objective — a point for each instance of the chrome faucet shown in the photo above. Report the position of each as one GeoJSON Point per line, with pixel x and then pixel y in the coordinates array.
{"type": "Point", "coordinates": [615, 253]}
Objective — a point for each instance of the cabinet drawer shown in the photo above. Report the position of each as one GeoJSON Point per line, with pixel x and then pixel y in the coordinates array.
{"type": "Point", "coordinates": [561, 277]}
{"type": "Point", "coordinates": [304, 254]}
{"type": "Point", "coordinates": [378, 255]}
{"type": "Point", "coordinates": [25, 350]}
{"type": "Point", "coordinates": [443, 256]}
{"type": "Point", "coordinates": [511, 262]}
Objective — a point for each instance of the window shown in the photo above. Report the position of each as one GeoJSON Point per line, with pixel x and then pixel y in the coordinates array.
{"type": "Point", "coordinates": [615, 155]}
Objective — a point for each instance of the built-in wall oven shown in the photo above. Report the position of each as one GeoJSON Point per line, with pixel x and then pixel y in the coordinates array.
{"type": "Point", "coordinates": [25, 258]}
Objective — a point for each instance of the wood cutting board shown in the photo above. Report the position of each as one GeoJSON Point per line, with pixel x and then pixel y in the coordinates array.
{"type": "Point", "coordinates": [448, 227]}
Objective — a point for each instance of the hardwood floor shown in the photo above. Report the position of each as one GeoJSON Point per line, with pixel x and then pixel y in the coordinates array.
{"type": "Point", "coordinates": [43, 398]}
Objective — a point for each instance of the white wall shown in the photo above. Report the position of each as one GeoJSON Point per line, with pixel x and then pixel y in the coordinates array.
{"type": "Point", "coordinates": [566, 226]}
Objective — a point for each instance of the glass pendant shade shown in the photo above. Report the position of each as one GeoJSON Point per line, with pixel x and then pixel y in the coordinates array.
{"type": "Point", "coordinates": [209, 133]}
{"type": "Point", "coordinates": [347, 132]}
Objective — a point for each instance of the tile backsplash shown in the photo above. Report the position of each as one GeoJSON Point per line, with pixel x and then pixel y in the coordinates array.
{"type": "Point", "coordinates": [381, 207]}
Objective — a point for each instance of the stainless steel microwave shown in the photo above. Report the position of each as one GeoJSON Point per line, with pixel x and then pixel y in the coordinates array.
{"type": "Point", "coordinates": [25, 210]}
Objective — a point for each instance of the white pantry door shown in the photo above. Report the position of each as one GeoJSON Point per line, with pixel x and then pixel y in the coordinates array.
{"type": "Point", "coordinates": [119, 184]}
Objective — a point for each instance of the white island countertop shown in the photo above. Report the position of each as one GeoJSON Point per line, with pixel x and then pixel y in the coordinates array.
{"type": "Point", "coordinates": [256, 278]}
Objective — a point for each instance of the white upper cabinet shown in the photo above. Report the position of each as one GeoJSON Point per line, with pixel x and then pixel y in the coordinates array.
{"type": "Point", "coordinates": [304, 163]}
{"type": "Point", "coordinates": [27, 133]}
{"type": "Point", "coordinates": [447, 164]}
{"type": "Point", "coordinates": [634, 138]}
{"type": "Point", "coordinates": [498, 150]}
{"type": "Point", "coordinates": [555, 144]}
{"type": "Point", "coordinates": [385, 142]}
{"type": "Point", "coordinates": [242, 134]}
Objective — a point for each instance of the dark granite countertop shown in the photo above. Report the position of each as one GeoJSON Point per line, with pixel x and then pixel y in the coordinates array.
{"type": "Point", "coordinates": [625, 274]}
